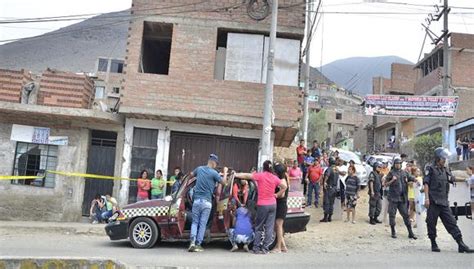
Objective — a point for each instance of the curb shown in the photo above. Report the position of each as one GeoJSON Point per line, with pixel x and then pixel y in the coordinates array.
{"type": "Point", "coordinates": [59, 263]}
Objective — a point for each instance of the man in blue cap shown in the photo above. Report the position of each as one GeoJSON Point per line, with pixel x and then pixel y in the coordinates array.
{"type": "Point", "coordinates": [206, 179]}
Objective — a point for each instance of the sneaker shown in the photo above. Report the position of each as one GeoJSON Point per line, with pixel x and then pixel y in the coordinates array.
{"type": "Point", "coordinates": [353, 222]}
{"type": "Point", "coordinates": [310, 206]}
{"type": "Point", "coordinates": [234, 248]}
{"type": "Point", "coordinates": [95, 222]}
{"type": "Point", "coordinates": [246, 248]}
{"type": "Point", "coordinates": [199, 248]}
{"type": "Point", "coordinates": [347, 220]}
{"type": "Point", "coordinates": [192, 247]}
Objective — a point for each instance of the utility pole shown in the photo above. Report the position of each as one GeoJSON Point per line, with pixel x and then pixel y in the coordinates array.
{"type": "Point", "coordinates": [266, 151]}
{"type": "Point", "coordinates": [307, 73]}
{"type": "Point", "coordinates": [447, 70]}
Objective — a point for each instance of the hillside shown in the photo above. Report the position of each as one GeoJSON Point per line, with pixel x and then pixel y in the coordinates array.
{"type": "Point", "coordinates": [73, 48]}
{"type": "Point", "coordinates": [356, 73]}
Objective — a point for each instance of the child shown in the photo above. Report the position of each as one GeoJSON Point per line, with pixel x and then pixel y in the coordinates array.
{"type": "Point", "coordinates": [242, 233]}
{"type": "Point", "coordinates": [352, 192]}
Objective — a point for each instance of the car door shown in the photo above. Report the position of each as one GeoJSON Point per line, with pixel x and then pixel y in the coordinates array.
{"type": "Point", "coordinates": [178, 212]}
{"type": "Point", "coordinates": [222, 217]}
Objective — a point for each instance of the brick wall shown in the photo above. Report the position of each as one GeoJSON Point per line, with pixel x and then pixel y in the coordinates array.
{"type": "Point", "coordinates": [428, 82]}
{"type": "Point", "coordinates": [377, 88]}
{"type": "Point", "coordinates": [190, 85]}
{"type": "Point", "coordinates": [65, 90]}
{"type": "Point", "coordinates": [11, 84]}
{"type": "Point", "coordinates": [462, 68]}
{"type": "Point", "coordinates": [403, 78]}
{"type": "Point", "coordinates": [221, 10]}
{"type": "Point", "coordinates": [465, 41]}
{"type": "Point", "coordinates": [465, 107]}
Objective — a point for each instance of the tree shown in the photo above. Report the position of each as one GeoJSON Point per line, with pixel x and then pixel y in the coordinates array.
{"type": "Point", "coordinates": [424, 147]}
{"type": "Point", "coordinates": [317, 127]}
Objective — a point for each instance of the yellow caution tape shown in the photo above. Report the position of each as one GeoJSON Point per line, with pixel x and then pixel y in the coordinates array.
{"type": "Point", "coordinates": [18, 177]}
{"type": "Point", "coordinates": [72, 174]}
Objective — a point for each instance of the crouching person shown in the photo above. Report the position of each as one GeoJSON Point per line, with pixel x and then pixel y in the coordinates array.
{"type": "Point", "coordinates": [242, 233]}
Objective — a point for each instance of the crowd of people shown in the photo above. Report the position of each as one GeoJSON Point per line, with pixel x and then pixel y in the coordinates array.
{"type": "Point", "coordinates": [392, 187]}
{"type": "Point", "coordinates": [157, 187]}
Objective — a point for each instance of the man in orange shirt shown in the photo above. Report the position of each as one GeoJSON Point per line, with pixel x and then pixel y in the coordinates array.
{"type": "Point", "coordinates": [314, 175]}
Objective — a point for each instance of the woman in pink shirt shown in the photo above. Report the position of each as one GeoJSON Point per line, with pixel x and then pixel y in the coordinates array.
{"type": "Point", "coordinates": [295, 175]}
{"type": "Point", "coordinates": [267, 182]}
{"type": "Point", "coordinates": [143, 186]}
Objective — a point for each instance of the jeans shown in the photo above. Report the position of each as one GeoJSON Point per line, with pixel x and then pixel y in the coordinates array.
{"type": "Point", "coordinates": [313, 187]}
{"type": "Point", "coordinates": [201, 212]}
{"type": "Point", "coordinates": [465, 154]}
{"type": "Point", "coordinates": [139, 199]}
{"type": "Point", "coordinates": [303, 181]}
{"type": "Point", "coordinates": [264, 227]}
{"type": "Point", "coordinates": [239, 238]}
{"type": "Point", "coordinates": [158, 196]}
{"type": "Point", "coordinates": [106, 215]}
{"type": "Point", "coordinates": [98, 213]}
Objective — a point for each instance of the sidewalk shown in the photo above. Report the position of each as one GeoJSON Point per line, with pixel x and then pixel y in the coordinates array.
{"type": "Point", "coordinates": [77, 228]}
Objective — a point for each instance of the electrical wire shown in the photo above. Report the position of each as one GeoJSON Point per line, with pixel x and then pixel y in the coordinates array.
{"type": "Point", "coordinates": [137, 17]}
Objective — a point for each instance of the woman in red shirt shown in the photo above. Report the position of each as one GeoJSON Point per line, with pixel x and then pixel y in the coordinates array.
{"type": "Point", "coordinates": [144, 185]}
{"type": "Point", "coordinates": [267, 182]}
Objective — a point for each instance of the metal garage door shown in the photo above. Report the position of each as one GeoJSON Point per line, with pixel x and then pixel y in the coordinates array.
{"type": "Point", "coordinates": [189, 150]}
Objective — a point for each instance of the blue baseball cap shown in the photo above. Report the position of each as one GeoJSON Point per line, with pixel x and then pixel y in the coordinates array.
{"type": "Point", "coordinates": [214, 157]}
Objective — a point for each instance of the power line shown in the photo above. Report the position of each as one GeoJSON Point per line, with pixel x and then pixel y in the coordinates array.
{"type": "Point", "coordinates": [89, 15]}
{"type": "Point", "coordinates": [136, 17]}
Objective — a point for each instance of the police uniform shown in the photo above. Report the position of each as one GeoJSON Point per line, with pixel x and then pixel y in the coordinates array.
{"type": "Point", "coordinates": [398, 196]}
{"type": "Point", "coordinates": [375, 201]}
{"type": "Point", "coordinates": [438, 179]}
{"type": "Point", "coordinates": [330, 192]}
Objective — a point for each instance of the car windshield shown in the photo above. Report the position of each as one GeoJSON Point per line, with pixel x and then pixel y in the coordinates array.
{"type": "Point", "coordinates": [347, 156]}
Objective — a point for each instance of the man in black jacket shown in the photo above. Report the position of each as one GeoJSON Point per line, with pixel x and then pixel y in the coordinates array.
{"type": "Point", "coordinates": [375, 193]}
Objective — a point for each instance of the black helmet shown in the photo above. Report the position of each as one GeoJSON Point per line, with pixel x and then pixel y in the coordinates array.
{"type": "Point", "coordinates": [397, 160]}
{"type": "Point", "coordinates": [332, 161]}
{"type": "Point", "coordinates": [376, 165]}
{"type": "Point", "coordinates": [441, 153]}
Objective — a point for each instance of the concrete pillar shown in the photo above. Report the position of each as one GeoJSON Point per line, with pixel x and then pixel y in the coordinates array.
{"type": "Point", "coordinates": [162, 153]}
{"type": "Point", "coordinates": [126, 163]}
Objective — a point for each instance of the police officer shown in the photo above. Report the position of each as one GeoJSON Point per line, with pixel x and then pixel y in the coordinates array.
{"type": "Point", "coordinates": [397, 180]}
{"type": "Point", "coordinates": [375, 192]}
{"type": "Point", "coordinates": [436, 187]}
{"type": "Point", "coordinates": [330, 179]}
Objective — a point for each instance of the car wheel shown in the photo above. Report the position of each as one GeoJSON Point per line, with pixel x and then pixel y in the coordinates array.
{"type": "Point", "coordinates": [143, 233]}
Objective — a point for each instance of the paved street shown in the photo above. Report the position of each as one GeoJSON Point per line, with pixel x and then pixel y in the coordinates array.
{"type": "Point", "coordinates": [217, 256]}
{"type": "Point", "coordinates": [335, 245]}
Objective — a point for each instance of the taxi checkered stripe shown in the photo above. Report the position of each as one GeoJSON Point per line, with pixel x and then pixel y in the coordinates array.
{"type": "Point", "coordinates": [146, 211]}
{"type": "Point", "coordinates": [295, 202]}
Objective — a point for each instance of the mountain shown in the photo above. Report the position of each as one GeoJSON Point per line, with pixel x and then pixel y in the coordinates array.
{"type": "Point", "coordinates": [315, 75]}
{"type": "Point", "coordinates": [73, 48]}
{"type": "Point", "coordinates": [356, 73]}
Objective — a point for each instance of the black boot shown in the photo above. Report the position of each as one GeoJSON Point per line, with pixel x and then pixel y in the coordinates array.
{"type": "Point", "coordinates": [394, 233]}
{"type": "Point", "coordinates": [377, 220]}
{"type": "Point", "coordinates": [325, 219]}
{"type": "Point", "coordinates": [434, 246]}
{"type": "Point", "coordinates": [372, 221]}
{"type": "Point", "coordinates": [411, 235]}
{"type": "Point", "coordinates": [329, 217]}
{"type": "Point", "coordinates": [463, 248]}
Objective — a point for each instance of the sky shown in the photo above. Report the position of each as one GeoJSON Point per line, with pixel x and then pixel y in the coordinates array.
{"type": "Point", "coordinates": [337, 36]}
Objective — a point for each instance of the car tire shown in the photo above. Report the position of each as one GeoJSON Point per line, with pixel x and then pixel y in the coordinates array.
{"type": "Point", "coordinates": [143, 233]}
